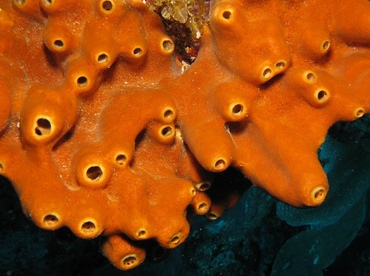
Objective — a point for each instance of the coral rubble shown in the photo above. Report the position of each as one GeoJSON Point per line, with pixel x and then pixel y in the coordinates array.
{"type": "Point", "coordinates": [105, 132]}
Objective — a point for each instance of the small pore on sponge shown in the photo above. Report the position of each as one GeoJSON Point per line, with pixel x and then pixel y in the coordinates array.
{"type": "Point", "coordinates": [322, 95]}
{"type": "Point", "coordinates": [318, 195]}
{"type": "Point", "coordinates": [82, 81]}
{"type": "Point", "coordinates": [359, 112]}
{"type": "Point", "coordinates": [58, 44]}
{"type": "Point", "coordinates": [94, 172]}
{"type": "Point", "coordinates": [102, 58]}
{"type": "Point", "coordinates": [107, 6]}
{"type": "Point", "coordinates": [129, 261]}
{"type": "Point", "coordinates": [88, 227]}
{"type": "Point", "coordinates": [121, 159]}
{"type": "Point", "coordinates": [203, 186]}
{"type": "Point", "coordinates": [219, 165]}
{"type": "Point", "coordinates": [167, 45]}
{"type": "Point", "coordinates": [51, 221]}
{"type": "Point", "coordinates": [43, 127]}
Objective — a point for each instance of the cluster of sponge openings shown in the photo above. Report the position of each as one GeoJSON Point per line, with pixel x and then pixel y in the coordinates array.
{"type": "Point", "coordinates": [102, 131]}
{"type": "Point", "coordinates": [96, 147]}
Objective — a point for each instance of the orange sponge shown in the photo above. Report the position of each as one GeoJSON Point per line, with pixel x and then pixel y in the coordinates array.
{"type": "Point", "coordinates": [104, 131]}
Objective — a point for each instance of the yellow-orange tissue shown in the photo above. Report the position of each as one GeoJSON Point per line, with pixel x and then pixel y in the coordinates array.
{"type": "Point", "coordinates": [104, 132]}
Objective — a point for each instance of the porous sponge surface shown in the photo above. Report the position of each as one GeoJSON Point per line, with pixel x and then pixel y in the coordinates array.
{"type": "Point", "coordinates": [105, 132]}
